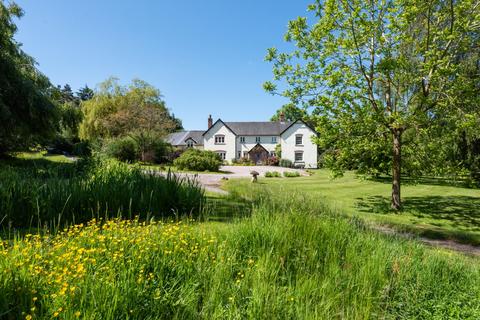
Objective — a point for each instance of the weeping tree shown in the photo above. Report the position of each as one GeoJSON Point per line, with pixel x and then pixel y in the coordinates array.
{"type": "Point", "coordinates": [27, 114]}
{"type": "Point", "coordinates": [375, 71]}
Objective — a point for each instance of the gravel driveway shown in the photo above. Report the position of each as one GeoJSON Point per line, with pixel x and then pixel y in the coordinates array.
{"type": "Point", "coordinates": [212, 181]}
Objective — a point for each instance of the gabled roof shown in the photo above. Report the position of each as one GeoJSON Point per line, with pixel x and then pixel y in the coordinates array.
{"type": "Point", "coordinates": [180, 138]}
{"type": "Point", "coordinates": [292, 123]}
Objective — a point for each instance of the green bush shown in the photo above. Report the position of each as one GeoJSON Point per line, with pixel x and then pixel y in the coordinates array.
{"type": "Point", "coordinates": [40, 193]}
{"type": "Point", "coordinates": [272, 174]}
{"type": "Point", "coordinates": [292, 174]}
{"type": "Point", "coordinates": [198, 160]}
{"type": "Point", "coordinates": [285, 163]}
{"type": "Point", "coordinates": [123, 149]}
{"type": "Point", "coordinates": [82, 149]}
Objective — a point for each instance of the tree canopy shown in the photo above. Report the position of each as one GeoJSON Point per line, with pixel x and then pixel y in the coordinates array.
{"type": "Point", "coordinates": [379, 74]}
{"type": "Point", "coordinates": [117, 110]}
{"type": "Point", "coordinates": [27, 114]}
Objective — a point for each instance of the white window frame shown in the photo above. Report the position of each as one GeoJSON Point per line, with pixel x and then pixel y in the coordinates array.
{"type": "Point", "coordinates": [301, 156]}
{"type": "Point", "coordinates": [242, 139]}
{"type": "Point", "coordinates": [190, 144]}
{"type": "Point", "coordinates": [219, 139]}
{"type": "Point", "coordinates": [299, 136]}
{"type": "Point", "coordinates": [274, 139]}
{"type": "Point", "coordinates": [258, 139]}
{"type": "Point", "coordinates": [222, 154]}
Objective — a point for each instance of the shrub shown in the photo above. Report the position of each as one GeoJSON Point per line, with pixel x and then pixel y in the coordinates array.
{"type": "Point", "coordinates": [243, 161]}
{"type": "Point", "coordinates": [285, 163]}
{"type": "Point", "coordinates": [291, 174]}
{"type": "Point", "coordinates": [123, 149]}
{"type": "Point", "coordinates": [82, 149]}
{"type": "Point", "coordinates": [161, 151]}
{"type": "Point", "coordinates": [198, 160]}
{"type": "Point", "coordinates": [272, 174]}
{"type": "Point", "coordinates": [272, 161]}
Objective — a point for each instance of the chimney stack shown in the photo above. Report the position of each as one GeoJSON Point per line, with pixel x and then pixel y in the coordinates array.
{"type": "Point", "coordinates": [282, 117]}
{"type": "Point", "coordinates": [210, 121]}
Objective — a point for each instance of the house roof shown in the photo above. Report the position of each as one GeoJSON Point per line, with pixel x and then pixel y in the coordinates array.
{"type": "Point", "coordinates": [180, 138]}
{"type": "Point", "coordinates": [266, 128]}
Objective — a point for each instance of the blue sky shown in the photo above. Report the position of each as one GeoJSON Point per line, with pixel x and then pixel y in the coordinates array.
{"type": "Point", "coordinates": [206, 57]}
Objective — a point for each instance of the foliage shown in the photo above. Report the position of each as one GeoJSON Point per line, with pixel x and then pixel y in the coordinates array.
{"type": "Point", "coordinates": [291, 174]}
{"type": "Point", "coordinates": [290, 112]}
{"type": "Point", "coordinates": [272, 161]}
{"type": "Point", "coordinates": [285, 163]}
{"type": "Point", "coordinates": [278, 150]}
{"type": "Point", "coordinates": [38, 193]}
{"type": "Point", "coordinates": [373, 71]}
{"type": "Point", "coordinates": [27, 115]}
{"type": "Point", "coordinates": [198, 160]}
{"type": "Point", "coordinates": [117, 111]}
{"type": "Point", "coordinates": [272, 174]}
{"type": "Point", "coordinates": [292, 259]}
{"type": "Point", "coordinates": [243, 161]}
{"type": "Point", "coordinates": [123, 149]}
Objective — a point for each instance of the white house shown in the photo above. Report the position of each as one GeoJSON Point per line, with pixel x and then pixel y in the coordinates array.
{"type": "Point", "coordinates": [254, 140]}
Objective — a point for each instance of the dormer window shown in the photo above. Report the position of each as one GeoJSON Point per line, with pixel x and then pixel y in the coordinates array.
{"type": "Point", "coordinates": [299, 139]}
{"type": "Point", "coordinates": [219, 139]}
{"type": "Point", "coordinates": [189, 144]}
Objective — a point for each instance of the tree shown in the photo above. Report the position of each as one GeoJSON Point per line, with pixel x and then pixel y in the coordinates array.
{"type": "Point", "coordinates": [375, 71]}
{"type": "Point", "coordinates": [85, 93]}
{"type": "Point", "coordinates": [136, 110]}
{"type": "Point", "coordinates": [27, 115]}
{"type": "Point", "coordinates": [291, 113]}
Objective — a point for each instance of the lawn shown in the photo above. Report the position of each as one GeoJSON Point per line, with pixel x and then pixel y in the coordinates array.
{"type": "Point", "coordinates": [432, 208]}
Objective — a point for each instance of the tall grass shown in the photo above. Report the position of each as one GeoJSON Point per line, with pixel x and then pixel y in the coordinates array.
{"type": "Point", "coordinates": [292, 259]}
{"type": "Point", "coordinates": [34, 194]}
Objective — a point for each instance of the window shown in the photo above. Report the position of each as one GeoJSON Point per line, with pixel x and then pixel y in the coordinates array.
{"type": "Point", "coordinates": [245, 154]}
{"type": "Point", "coordinates": [222, 154]}
{"type": "Point", "coordinates": [242, 139]}
{"type": "Point", "coordinates": [219, 139]}
{"type": "Point", "coordinates": [298, 155]}
{"type": "Point", "coordinates": [299, 139]}
{"type": "Point", "coordinates": [257, 139]}
{"type": "Point", "coordinates": [189, 144]}
{"type": "Point", "coordinates": [274, 139]}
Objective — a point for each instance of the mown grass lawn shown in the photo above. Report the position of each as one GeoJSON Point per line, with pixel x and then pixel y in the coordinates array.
{"type": "Point", "coordinates": [431, 208]}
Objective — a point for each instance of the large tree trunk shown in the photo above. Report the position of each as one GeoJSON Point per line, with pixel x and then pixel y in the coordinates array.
{"type": "Point", "coordinates": [396, 168]}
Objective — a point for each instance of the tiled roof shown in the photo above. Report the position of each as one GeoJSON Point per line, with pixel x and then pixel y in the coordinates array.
{"type": "Point", "coordinates": [267, 128]}
{"type": "Point", "coordinates": [180, 138]}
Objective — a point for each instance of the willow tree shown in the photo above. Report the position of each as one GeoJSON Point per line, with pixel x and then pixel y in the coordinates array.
{"type": "Point", "coordinates": [373, 70]}
{"type": "Point", "coordinates": [27, 115]}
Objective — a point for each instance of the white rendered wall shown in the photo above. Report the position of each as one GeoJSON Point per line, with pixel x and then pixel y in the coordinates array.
{"type": "Point", "coordinates": [229, 146]}
{"type": "Point", "coordinates": [250, 142]}
{"type": "Point", "coordinates": [309, 148]}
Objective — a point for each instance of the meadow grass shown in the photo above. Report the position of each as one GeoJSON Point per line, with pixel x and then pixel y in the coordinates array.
{"type": "Point", "coordinates": [292, 259]}
{"type": "Point", "coordinates": [38, 192]}
{"type": "Point", "coordinates": [433, 208]}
